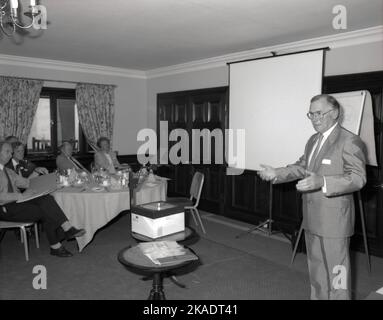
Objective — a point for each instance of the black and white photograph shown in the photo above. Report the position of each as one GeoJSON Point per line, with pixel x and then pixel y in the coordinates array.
{"type": "Point", "coordinates": [202, 152]}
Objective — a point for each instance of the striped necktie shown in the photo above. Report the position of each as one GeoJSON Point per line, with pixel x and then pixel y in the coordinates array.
{"type": "Point", "coordinates": [316, 151]}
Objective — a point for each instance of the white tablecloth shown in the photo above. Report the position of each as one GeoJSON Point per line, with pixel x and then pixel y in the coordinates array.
{"type": "Point", "coordinates": [150, 191]}
{"type": "Point", "coordinates": [91, 210]}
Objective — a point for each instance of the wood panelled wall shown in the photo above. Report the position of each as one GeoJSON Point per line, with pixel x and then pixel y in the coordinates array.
{"type": "Point", "coordinates": [197, 109]}
{"type": "Point", "coordinates": [245, 197]}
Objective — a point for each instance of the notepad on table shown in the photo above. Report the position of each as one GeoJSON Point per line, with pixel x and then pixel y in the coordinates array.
{"type": "Point", "coordinates": [36, 195]}
{"type": "Point", "coordinates": [166, 252]}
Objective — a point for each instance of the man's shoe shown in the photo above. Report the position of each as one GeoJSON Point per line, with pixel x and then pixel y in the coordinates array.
{"type": "Point", "coordinates": [61, 252]}
{"type": "Point", "coordinates": [74, 233]}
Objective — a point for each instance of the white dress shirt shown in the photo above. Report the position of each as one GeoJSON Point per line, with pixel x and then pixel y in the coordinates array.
{"type": "Point", "coordinates": [15, 163]}
{"type": "Point", "coordinates": [325, 136]}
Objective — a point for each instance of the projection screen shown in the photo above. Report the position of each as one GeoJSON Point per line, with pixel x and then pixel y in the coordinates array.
{"type": "Point", "coordinates": [269, 99]}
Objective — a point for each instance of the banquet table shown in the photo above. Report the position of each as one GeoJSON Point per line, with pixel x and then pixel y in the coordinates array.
{"type": "Point", "coordinates": [90, 210]}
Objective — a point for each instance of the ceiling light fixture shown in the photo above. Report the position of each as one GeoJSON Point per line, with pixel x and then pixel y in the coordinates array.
{"type": "Point", "coordinates": [10, 20]}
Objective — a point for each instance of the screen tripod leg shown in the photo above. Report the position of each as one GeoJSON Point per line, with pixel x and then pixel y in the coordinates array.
{"type": "Point", "coordinates": [267, 222]}
{"type": "Point", "coordinates": [296, 244]}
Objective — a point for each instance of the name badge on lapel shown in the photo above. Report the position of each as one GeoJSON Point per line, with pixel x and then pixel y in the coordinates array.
{"type": "Point", "coordinates": [326, 161]}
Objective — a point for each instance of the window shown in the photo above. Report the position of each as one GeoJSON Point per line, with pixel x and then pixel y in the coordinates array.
{"type": "Point", "coordinates": [39, 139]}
{"type": "Point", "coordinates": [56, 120]}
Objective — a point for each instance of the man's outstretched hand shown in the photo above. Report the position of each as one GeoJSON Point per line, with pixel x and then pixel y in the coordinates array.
{"type": "Point", "coordinates": [312, 181]}
{"type": "Point", "coordinates": [267, 173]}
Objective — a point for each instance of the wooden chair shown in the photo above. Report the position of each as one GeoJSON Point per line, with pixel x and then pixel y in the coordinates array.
{"type": "Point", "coordinates": [192, 202]}
{"type": "Point", "coordinates": [24, 238]}
{"type": "Point", "coordinates": [40, 145]}
{"type": "Point", "coordinates": [75, 145]}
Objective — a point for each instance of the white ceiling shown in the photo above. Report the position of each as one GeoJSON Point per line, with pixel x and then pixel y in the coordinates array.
{"type": "Point", "coordinates": [147, 34]}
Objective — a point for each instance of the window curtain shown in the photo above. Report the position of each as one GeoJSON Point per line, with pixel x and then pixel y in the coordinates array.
{"type": "Point", "coordinates": [19, 99]}
{"type": "Point", "coordinates": [95, 105]}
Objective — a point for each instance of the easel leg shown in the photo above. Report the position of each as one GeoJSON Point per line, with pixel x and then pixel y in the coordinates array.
{"type": "Point", "coordinates": [364, 231]}
{"type": "Point", "coordinates": [296, 244]}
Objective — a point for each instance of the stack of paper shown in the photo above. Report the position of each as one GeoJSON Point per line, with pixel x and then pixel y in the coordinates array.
{"type": "Point", "coordinates": [158, 206]}
{"type": "Point", "coordinates": [166, 252]}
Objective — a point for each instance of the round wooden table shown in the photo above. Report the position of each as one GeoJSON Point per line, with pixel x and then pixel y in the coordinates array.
{"type": "Point", "coordinates": [133, 258]}
{"type": "Point", "coordinates": [188, 236]}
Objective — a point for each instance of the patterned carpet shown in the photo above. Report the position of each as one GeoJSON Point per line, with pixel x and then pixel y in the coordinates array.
{"type": "Point", "coordinates": [238, 271]}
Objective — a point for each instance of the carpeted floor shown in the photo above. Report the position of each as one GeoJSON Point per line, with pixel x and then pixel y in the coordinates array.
{"type": "Point", "coordinates": [246, 268]}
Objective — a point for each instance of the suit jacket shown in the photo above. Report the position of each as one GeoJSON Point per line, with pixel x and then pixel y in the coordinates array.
{"type": "Point", "coordinates": [101, 161]}
{"type": "Point", "coordinates": [63, 163]}
{"type": "Point", "coordinates": [16, 181]}
{"type": "Point", "coordinates": [26, 167]}
{"type": "Point", "coordinates": [341, 160]}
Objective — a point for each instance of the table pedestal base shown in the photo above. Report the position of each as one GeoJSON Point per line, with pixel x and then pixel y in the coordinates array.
{"type": "Point", "coordinates": [157, 292]}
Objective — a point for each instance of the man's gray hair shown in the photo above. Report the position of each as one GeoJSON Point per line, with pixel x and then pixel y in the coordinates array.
{"type": "Point", "coordinates": [10, 138]}
{"type": "Point", "coordinates": [3, 143]}
{"type": "Point", "coordinates": [329, 99]}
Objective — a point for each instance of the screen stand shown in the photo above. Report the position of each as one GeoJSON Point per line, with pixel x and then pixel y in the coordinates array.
{"type": "Point", "coordinates": [265, 226]}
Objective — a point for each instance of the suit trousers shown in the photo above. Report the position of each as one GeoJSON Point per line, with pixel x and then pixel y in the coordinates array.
{"type": "Point", "coordinates": [329, 267]}
{"type": "Point", "coordinates": [43, 209]}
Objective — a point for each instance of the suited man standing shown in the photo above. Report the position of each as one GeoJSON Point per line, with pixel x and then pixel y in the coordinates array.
{"type": "Point", "coordinates": [330, 170]}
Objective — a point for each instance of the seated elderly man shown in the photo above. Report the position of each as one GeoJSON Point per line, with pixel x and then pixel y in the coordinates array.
{"type": "Point", "coordinates": [44, 208]}
{"type": "Point", "coordinates": [63, 160]}
{"type": "Point", "coordinates": [22, 166]}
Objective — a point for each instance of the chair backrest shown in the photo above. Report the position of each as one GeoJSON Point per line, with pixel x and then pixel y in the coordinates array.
{"type": "Point", "coordinates": [40, 144]}
{"type": "Point", "coordinates": [196, 186]}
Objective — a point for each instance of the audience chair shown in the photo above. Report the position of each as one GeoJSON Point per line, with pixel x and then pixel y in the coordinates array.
{"type": "Point", "coordinates": [192, 202]}
{"type": "Point", "coordinates": [24, 238]}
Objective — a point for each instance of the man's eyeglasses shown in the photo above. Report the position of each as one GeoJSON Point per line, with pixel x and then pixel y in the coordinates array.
{"type": "Point", "coordinates": [317, 115]}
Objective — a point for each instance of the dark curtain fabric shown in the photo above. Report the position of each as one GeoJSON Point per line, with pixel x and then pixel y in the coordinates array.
{"type": "Point", "coordinates": [95, 103]}
{"type": "Point", "coordinates": [19, 99]}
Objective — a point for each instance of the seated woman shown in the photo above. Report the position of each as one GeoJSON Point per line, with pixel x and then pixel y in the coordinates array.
{"type": "Point", "coordinates": [44, 208]}
{"type": "Point", "coordinates": [105, 158]}
{"type": "Point", "coordinates": [63, 160]}
{"type": "Point", "coordinates": [22, 166]}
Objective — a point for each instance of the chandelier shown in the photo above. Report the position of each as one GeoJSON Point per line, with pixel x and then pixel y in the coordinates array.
{"type": "Point", "coordinates": [10, 20]}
